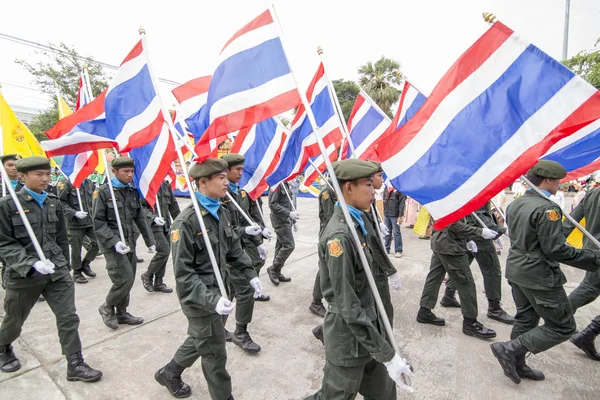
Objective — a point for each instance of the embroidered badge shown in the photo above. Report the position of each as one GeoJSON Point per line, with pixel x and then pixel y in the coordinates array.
{"type": "Point", "coordinates": [243, 194]}
{"type": "Point", "coordinates": [325, 195]}
{"type": "Point", "coordinates": [95, 195]}
{"type": "Point", "coordinates": [335, 248]}
{"type": "Point", "coordinates": [175, 236]}
{"type": "Point", "coordinates": [552, 215]}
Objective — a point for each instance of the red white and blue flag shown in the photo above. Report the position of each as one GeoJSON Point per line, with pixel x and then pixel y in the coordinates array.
{"type": "Point", "coordinates": [302, 143]}
{"type": "Point", "coordinates": [318, 164]}
{"type": "Point", "coordinates": [261, 146]}
{"type": "Point", "coordinates": [498, 109]}
{"type": "Point", "coordinates": [252, 82]}
{"type": "Point", "coordinates": [410, 102]}
{"type": "Point", "coordinates": [83, 97]}
{"type": "Point", "coordinates": [192, 95]}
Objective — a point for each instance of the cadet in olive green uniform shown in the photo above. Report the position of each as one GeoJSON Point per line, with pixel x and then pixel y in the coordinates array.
{"type": "Point", "coordinates": [357, 350]}
{"type": "Point", "coordinates": [120, 257]}
{"type": "Point", "coordinates": [589, 289]}
{"type": "Point", "coordinates": [27, 276]}
{"type": "Point", "coordinates": [450, 255]}
{"type": "Point", "coordinates": [197, 288]}
{"type": "Point", "coordinates": [9, 161]}
{"type": "Point", "coordinates": [152, 279]}
{"type": "Point", "coordinates": [79, 225]}
{"type": "Point", "coordinates": [240, 286]}
{"type": "Point", "coordinates": [533, 271]}
{"type": "Point", "coordinates": [489, 264]}
{"type": "Point", "coordinates": [282, 219]}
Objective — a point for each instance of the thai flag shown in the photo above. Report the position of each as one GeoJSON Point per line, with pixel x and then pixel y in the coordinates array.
{"type": "Point", "coordinates": [182, 130]}
{"type": "Point", "coordinates": [302, 144]}
{"type": "Point", "coordinates": [410, 102]}
{"type": "Point", "coordinates": [578, 153]}
{"type": "Point", "coordinates": [261, 145]}
{"type": "Point", "coordinates": [311, 173]}
{"type": "Point", "coordinates": [83, 97]}
{"type": "Point", "coordinates": [252, 82]}
{"type": "Point", "coordinates": [192, 95]}
{"type": "Point", "coordinates": [499, 108]}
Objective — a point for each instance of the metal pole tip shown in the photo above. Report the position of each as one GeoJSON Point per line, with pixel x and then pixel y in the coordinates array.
{"type": "Point", "coordinates": [319, 51]}
{"type": "Point", "coordinates": [141, 31]}
{"type": "Point", "coordinates": [489, 17]}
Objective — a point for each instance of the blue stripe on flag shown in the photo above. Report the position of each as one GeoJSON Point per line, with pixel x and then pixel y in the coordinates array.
{"type": "Point", "coordinates": [142, 156]}
{"type": "Point", "coordinates": [412, 109]}
{"type": "Point", "coordinates": [322, 107]}
{"type": "Point", "coordinates": [367, 124]}
{"type": "Point", "coordinates": [265, 132]}
{"type": "Point", "coordinates": [579, 153]}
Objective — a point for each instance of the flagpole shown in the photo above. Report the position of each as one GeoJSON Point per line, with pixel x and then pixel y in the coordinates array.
{"type": "Point", "coordinates": [376, 213]}
{"type": "Point", "coordinates": [336, 102]}
{"type": "Point", "coordinates": [4, 183]}
{"type": "Point", "coordinates": [567, 216]}
{"type": "Point", "coordinates": [344, 206]}
{"type": "Point", "coordinates": [157, 206]}
{"type": "Point", "coordinates": [113, 198]}
{"type": "Point", "coordinates": [321, 174]}
{"type": "Point", "coordinates": [193, 197]}
{"type": "Point", "coordinates": [282, 184]}
{"type": "Point", "coordinates": [499, 210]}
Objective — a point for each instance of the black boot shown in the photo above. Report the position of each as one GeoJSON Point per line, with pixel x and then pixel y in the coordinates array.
{"type": "Point", "coordinates": [316, 307]}
{"type": "Point", "coordinates": [159, 286]}
{"type": "Point", "coordinates": [318, 332]}
{"type": "Point", "coordinates": [472, 327]}
{"type": "Point", "coordinates": [262, 297]}
{"type": "Point", "coordinates": [124, 318]}
{"type": "Point", "coordinates": [8, 360]}
{"type": "Point", "coordinates": [283, 278]}
{"type": "Point", "coordinates": [507, 353]}
{"type": "Point", "coordinates": [525, 372]}
{"type": "Point", "coordinates": [78, 277]}
{"type": "Point", "coordinates": [242, 339]}
{"type": "Point", "coordinates": [448, 300]}
{"type": "Point", "coordinates": [425, 316]}
{"type": "Point", "coordinates": [585, 340]}
{"type": "Point", "coordinates": [496, 312]}
{"type": "Point", "coordinates": [87, 269]}
{"type": "Point", "coordinates": [78, 370]}
{"type": "Point", "coordinates": [228, 336]}
{"type": "Point", "coordinates": [108, 316]}
{"type": "Point", "coordinates": [147, 281]}
{"type": "Point", "coordinates": [273, 275]}
{"type": "Point", "coordinates": [169, 376]}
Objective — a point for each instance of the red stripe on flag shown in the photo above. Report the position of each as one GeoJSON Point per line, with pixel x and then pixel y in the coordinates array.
{"type": "Point", "coordinates": [135, 52]}
{"type": "Point", "coordinates": [145, 135]}
{"type": "Point", "coordinates": [81, 148]}
{"type": "Point", "coordinates": [321, 167]}
{"type": "Point", "coordinates": [263, 185]}
{"type": "Point", "coordinates": [89, 167]}
{"type": "Point", "coordinates": [309, 93]}
{"type": "Point", "coordinates": [161, 173]}
{"type": "Point", "coordinates": [193, 88]}
{"type": "Point", "coordinates": [239, 140]}
{"type": "Point", "coordinates": [262, 20]}
{"type": "Point", "coordinates": [583, 171]}
{"type": "Point", "coordinates": [360, 100]}
{"type": "Point", "coordinates": [88, 112]}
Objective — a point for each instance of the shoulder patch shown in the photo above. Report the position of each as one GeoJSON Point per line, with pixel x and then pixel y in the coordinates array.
{"type": "Point", "coordinates": [335, 248]}
{"type": "Point", "coordinates": [95, 196]}
{"type": "Point", "coordinates": [61, 185]}
{"type": "Point", "coordinates": [243, 193]}
{"type": "Point", "coordinates": [175, 236]}
{"type": "Point", "coordinates": [553, 215]}
{"type": "Point", "coordinates": [325, 195]}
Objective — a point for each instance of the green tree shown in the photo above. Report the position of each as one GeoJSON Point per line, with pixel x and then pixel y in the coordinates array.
{"type": "Point", "coordinates": [587, 64]}
{"type": "Point", "coordinates": [379, 80]}
{"type": "Point", "coordinates": [346, 92]}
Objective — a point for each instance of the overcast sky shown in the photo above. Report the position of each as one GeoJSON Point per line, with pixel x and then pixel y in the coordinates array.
{"type": "Point", "coordinates": [426, 37]}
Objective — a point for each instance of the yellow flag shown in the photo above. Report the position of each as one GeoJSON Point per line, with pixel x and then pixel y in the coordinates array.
{"type": "Point", "coordinates": [16, 136]}
{"type": "Point", "coordinates": [422, 222]}
{"type": "Point", "coordinates": [575, 239]}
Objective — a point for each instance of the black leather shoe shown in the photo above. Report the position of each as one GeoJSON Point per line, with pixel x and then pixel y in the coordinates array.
{"type": "Point", "coordinates": [161, 287]}
{"type": "Point", "coordinates": [525, 372]}
{"type": "Point", "coordinates": [501, 316]}
{"type": "Point", "coordinates": [283, 278]}
{"type": "Point", "coordinates": [147, 282]}
{"type": "Point", "coordinates": [41, 298]}
{"type": "Point", "coordinates": [140, 260]}
{"type": "Point", "coordinates": [449, 302]}
{"type": "Point", "coordinates": [169, 376]}
{"type": "Point", "coordinates": [108, 316]}
{"type": "Point", "coordinates": [228, 336]}
{"type": "Point", "coordinates": [476, 329]}
{"type": "Point", "coordinates": [87, 270]}
{"type": "Point", "coordinates": [262, 297]}
{"type": "Point", "coordinates": [124, 318]}
{"type": "Point", "coordinates": [78, 370]}
{"type": "Point", "coordinates": [245, 342]}
{"type": "Point", "coordinates": [317, 309]}
{"type": "Point", "coordinates": [8, 360]}
{"type": "Point", "coordinates": [318, 332]}
{"type": "Point", "coordinates": [273, 276]}
{"type": "Point", "coordinates": [78, 277]}
{"type": "Point", "coordinates": [506, 353]}
{"type": "Point", "coordinates": [425, 316]}
{"type": "Point", "coordinates": [585, 341]}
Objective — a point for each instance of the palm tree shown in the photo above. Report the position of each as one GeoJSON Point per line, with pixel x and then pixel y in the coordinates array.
{"type": "Point", "coordinates": [379, 80]}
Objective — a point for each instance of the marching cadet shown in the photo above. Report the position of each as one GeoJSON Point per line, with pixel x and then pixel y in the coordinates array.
{"type": "Point", "coordinates": [589, 289]}
{"type": "Point", "coordinates": [197, 287]}
{"type": "Point", "coordinates": [152, 279]}
{"type": "Point", "coordinates": [357, 351]}
{"type": "Point", "coordinates": [282, 219]}
{"type": "Point", "coordinates": [79, 225]}
{"type": "Point", "coordinates": [240, 287]}
{"type": "Point", "coordinates": [450, 256]}
{"type": "Point", "coordinates": [121, 261]}
{"type": "Point", "coordinates": [27, 276]}
{"type": "Point", "coordinates": [489, 263]}
{"type": "Point", "coordinates": [533, 271]}
{"type": "Point", "coordinates": [9, 161]}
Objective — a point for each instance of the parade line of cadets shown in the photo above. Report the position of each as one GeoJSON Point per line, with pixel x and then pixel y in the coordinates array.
{"type": "Point", "coordinates": [360, 357]}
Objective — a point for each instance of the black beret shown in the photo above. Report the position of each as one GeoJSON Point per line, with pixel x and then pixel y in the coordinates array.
{"type": "Point", "coordinates": [122, 162]}
{"type": "Point", "coordinates": [207, 168]}
{"type": "Point", "coordinates": [233, 159]}
{"type": "Point", "coordinates": [549, 169]}
{"type": "Point", "coordinates": [32, 163]}
{"type": "Point", "coordinates": [378, 165]}
{"type": "Point", "coordinates": [350, 169]}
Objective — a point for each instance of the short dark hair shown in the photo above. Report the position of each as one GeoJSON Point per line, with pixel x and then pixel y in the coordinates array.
{"type": "Point", "coordinates": [534, 178]}
{"type": "Point", "coordinates": [9, 157]}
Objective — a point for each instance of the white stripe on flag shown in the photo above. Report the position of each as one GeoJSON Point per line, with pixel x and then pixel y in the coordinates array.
{"type": "Point", "coordinates": [155, 159]}
{"type": "Point", "coordinates": [127, 71]}
{"type": "Point", "coordinates": [574, 137]}
{"type": "Point", "coordinates": [265, 163]}
{"type": "Point", "coordinates": [139, 122]}
{"type": "Point", "coordinates": [249, 40]}
{"type": "Point", "coordinates": [368, 141]}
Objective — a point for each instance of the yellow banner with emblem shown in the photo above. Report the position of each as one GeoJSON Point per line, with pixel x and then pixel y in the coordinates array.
{"type": "Point", "coordinates": [16, 136]}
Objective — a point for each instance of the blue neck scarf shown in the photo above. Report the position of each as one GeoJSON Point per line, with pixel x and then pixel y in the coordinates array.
{"type": "Point", "coordinates": [234, 188]}
{"type": "Point", "coordinates": [211, 205]}
{"type": "Point", "coordinates": [14, 183]}
{"type": "Point", "coordinates": [117, 184]}
{"type": "Point", "coordinates": [547, 193]}
{"type": "Point", "coordinates": [357, 215]}
{"type": "Point", "coordinates": [38, 197]}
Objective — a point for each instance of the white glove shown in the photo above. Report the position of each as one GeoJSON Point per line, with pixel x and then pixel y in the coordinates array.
{"type": "Point", "coordinates": [384, 229]}
{"type": "Point", "coordinates": [253, 230]}
{"type": "Point", "coordinates": [262, 252]}
{"type": "Point", "coordinates": [152, 249]}
{"type": "Point", "coordinates": [122, 248]}
{"type": "Point", "coordinates": [472, 247]}
{"type": "Point", "coordinates": [500, 244]}
{"type": "Point", "coordinates": [81, 214]}
{"type": "Point", "coordinates": [400, 372]}
{"type": "Point", "coordinates": [395, 282]}
{"type": "Point", "coordinates": [295, 227]}
{"type": "Point", "coordinates": [488, 234]}
{"type": "Point", "coordinates": [294, 216]}
{"type": "Point", "coordinates": [257, 286]}
{"type": "Point", "coordinates": [44, 267]}
{"type": "Point", "coordinates": [224, 306]}
{"type": "Point", "coordinates": [159, 221]}
{"type": "Point", "coordinates": [267, 234]}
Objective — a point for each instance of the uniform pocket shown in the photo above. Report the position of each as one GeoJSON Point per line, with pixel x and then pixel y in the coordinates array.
{"type": "Point", "coordinates": [19, 225]}
{"type": "Point", "coordinates": [52, 220]}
